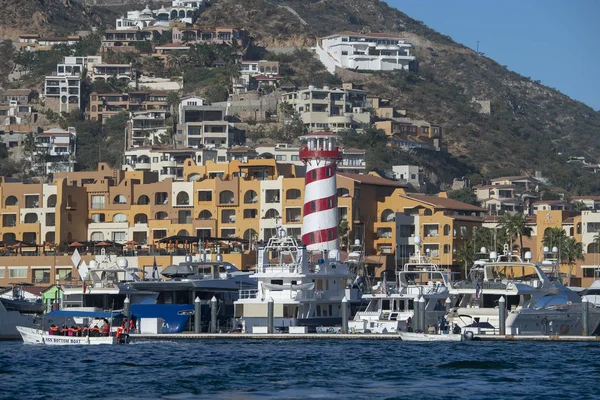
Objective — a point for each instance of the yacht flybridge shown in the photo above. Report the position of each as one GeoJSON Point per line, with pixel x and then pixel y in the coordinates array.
{"type": "Point", "coordinates": [389, 311]}
{"type": "Point", "coordinates": [306, 289]}
{"type": "Point", "coordinates": [536, 304]}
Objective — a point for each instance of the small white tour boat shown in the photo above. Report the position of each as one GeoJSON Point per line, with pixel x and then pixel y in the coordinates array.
{"type": "Point", "coordinates": [431, 337]}
{"type": "Point", "coordinates": [94, 322]}
{"type": "Point", "coordinates": [38, 336]}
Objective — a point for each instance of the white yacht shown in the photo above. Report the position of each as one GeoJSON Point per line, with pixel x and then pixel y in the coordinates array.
{"type": "Point", "coordinates": [389, 311]}
{"type": "Point", "coordinates": [307, 290]}
{"type": "Point", "coordinates": [535, 303]}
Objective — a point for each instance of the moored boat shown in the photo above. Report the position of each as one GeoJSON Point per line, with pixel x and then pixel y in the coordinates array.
{"type": "Point", "coordinates": [429, 337]}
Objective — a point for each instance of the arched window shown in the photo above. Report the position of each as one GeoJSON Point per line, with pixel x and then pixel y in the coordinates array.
{"type": "Point", "coordinates": [161, 215]}
{"type": "Point", "coordinates": [120, 199]}
{"type": "Point", "coordinates": [98, 217]}
{"type": "Point", "coordinates": [9, 237]}
{"type": "Point", "coordinates": [427, 211]}
{"type": "Point", "coordinates": [272, 213]}
{"type": "Point", "coordinates": [446, 230]}
{"type": "Point", "coordinates": [571, 231]}
{"type": "Point", "coordinates": [293, 194]}
{"type": "Point", "coordinates": [593, 248]}
{"type": "Point", "coordinates": [579, 228]}
{"type": "Point", "coordinates": [388, 216]}
{"type": "Point", "coordinates": [11, 201]}
{"type": "Point", "coordinates": [119, 218]}
{"type": "Point", "coordinates": [183, 199]}
{"type": "Point", "coordinates": [31, 218]}
{"type": "Point", "coordinates": [250, 235]}
{"type": "Point", "coordinates": [143, 200]}
{"type": "Point", "coordinates": [50, 237]}
{"type": "Point", "coordinates": [205, 214]}
{"type": "Point", "coordinates": [250, 197]}
{"type": "Point", "coordinates": [51, 202]}
{"type": "Point", "coordinates": [97, 236]}
{"type": "Point", "coordinates": [226, 197]}
{"type": "Point", "coordinates": [140, 219]}
{"type": "Point", "coordinates": [183, 232]}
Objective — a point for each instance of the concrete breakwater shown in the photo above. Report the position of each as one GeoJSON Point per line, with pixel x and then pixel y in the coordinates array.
{"type": "Point", "coordinates": [340, 336]}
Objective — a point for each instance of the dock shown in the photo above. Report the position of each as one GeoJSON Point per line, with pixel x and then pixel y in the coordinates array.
{"type": "Point", "coordinates": [350, 336]}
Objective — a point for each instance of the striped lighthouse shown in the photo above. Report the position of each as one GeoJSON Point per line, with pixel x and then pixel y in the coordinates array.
{"type": "Point", "coordinates": [320, 224]}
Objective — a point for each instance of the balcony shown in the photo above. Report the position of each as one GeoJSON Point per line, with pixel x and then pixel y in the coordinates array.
{"type": "Point", "coordinates": [145, 166]}
{"type": "Point", "coordinates": [430, 230]}
{"type": "Point", "coordinates": [168, 163]}
{"type": "Point", "coordinates": [384, 233]}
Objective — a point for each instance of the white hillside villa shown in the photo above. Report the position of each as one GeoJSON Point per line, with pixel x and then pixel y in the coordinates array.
{"type": "Point", "coordinates": [186, 11]}
{"type": "Point", "coordinates": [375, 52]}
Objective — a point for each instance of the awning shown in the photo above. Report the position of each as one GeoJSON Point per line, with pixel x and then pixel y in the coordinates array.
{"type": "Point", "coordinates": [89, 314]}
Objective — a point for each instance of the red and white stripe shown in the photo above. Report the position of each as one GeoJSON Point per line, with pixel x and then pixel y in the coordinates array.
{"type": "Point", "coordinates": [320, 223]}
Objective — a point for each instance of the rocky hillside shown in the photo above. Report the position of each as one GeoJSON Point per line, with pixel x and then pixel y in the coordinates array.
{"type": "Point", "coordinates": [45, 17]}
{"type": "Point", "coordinates": [530, 127]}
{"type": "Point", "coordinates": [530, 123]}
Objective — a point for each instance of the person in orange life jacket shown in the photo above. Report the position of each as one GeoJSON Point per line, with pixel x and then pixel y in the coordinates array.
{"type": "Point", "coordinates": [53, 330]}
{"type": "Point", "coordinates": [71, 331]}
{"type": "Point", "coordinates": [64, 331]}
{"type": "Point", "coordinates": [125, 325]}
{"type": "Point", "coordinates": [86, 330]}
{"type": "Point", "coordinates": [131, 325]}
{"type": "Point", "coordinates": [106, 330]}
{"type": "Point", "coordinates": [77, 331]}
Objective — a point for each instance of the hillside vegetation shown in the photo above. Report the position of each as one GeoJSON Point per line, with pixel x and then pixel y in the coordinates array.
{"type": "Point", "coordinates": [531, 127]}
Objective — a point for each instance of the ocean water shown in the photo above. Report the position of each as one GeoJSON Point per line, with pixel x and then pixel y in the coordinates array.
{"type": "Point", "coordinates": [300, 369]}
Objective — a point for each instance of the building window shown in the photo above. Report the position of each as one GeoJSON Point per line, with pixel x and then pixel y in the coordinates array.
{"type": "Point", "coordinates": [97, 202]}
{"type": "Point", "coordinates": [1, 272]}
{"type": "Point", "coordinates": [17, 272]}
{"type": "Point", "coordinates": [97, 236]}
{"type": "Point", "coordinates": [119, 236]}
{"type": "Point", "coordinates": [96, 218]}
{"type": "Point", "coordinates": [446, 249]}
{"type": "Point", "coordinates": [205, 195]}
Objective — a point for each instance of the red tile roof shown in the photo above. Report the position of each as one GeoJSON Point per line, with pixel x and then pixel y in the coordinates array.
{"type": "Point", "coordinates": [371, 180]}
{"type": "Point", "coordinates": [442, 202]}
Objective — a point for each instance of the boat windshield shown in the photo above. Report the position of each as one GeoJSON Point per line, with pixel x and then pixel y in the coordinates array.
{"type": "Point", "coordinates": [420, 278]}
{"type": "Point", "coordinates": [520, 272]}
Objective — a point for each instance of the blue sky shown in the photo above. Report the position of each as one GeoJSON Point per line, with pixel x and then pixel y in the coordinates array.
{"type": "Point", "coordinates": [554, 41]}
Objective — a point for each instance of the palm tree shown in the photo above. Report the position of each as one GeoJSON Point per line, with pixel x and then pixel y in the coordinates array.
{"type": "Point", "coordinates": [466, 256]}
{"type": "Point", "coordinates": [515, 225]}
{"type": "Point", "coordinates": [554, 237]}
{"type": "Point", "coordinates": [571, 252]}
{"type": "Point", "coordinates": [580, 206]}
{"type": "Point", "coordinates": [175, 60]}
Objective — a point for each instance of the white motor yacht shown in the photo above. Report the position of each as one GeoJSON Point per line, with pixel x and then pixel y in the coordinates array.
{"type": "Point", "coordinates": [391, 311]}
{"type": "Point", "coordinates": [536, 304]}
{"type": "Point", "coordinates": [305, 291]}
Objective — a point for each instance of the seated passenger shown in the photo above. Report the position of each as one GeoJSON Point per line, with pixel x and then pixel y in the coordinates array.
{"type": "Point", "coordinates": [95, 332]}
{"type": "Point", "coordinates": [106, 330]}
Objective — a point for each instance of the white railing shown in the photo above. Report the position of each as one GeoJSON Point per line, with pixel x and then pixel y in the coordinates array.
{"type": "Point", "coordinates": [248, 294]}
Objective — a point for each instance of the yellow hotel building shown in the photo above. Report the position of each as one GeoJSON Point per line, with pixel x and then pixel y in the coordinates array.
{"type": "Point", "coordinates": [223, 200]}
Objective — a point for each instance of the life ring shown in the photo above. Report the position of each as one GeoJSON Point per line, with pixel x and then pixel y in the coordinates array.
{"type": "Point", "coordinates": [468, 335]}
